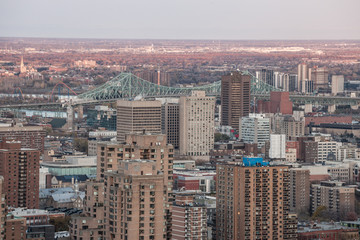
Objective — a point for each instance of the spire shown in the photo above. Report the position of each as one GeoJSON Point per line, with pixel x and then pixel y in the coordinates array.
{"type": "Point", "coordinates": [76, 186]}
{"type": "Point", "coordinates": [22, 67]}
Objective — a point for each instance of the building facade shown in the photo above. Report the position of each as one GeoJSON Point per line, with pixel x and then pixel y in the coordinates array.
{"type": "Point", "coordinates": [280, 103]}
{"type": "Point", "coordinates": [255, 129]}
{"type": "Point", "coordinates": [303, 76]}
{"type": "Point", "coordinates": [338, 199]}
{"type": "Point", "coordinates": [277, 146]}
{"type": "Point", "coordinates": [138, 116]}
{"type": "Point", "coordinates": [30, 136]}
{"type": "Point", "coordinates": [320, 78]}
{"type": "Point", "coordinates": [135, 205]}
{"type": "Point", "coordinates": [197, 124]}
{"type": "Point", "coordinates": [189, 219]}
{"type": "Point", "coordinates": [20, 169]}
{"type": "Point", "coordinates": [171, 123]}
{"type": "Point", "coordinates": [91, 224]}
{"type": "Point", "coordinates": [235, 98]}
{"type": "Point", "coordinates": [253, 202]}
{"type": "Point", "coordinates": [299, 190]}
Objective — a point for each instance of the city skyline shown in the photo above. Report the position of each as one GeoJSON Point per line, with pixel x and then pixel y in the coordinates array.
{"type": "Point", "coordinates": [263, 20]}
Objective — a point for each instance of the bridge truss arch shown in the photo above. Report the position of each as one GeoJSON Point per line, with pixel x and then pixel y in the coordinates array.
{"type": "Point", "coordinates": [127, 85]}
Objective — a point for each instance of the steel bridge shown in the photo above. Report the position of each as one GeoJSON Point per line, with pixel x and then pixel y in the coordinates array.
{"type": "Point", "coordinates": [127, 85]}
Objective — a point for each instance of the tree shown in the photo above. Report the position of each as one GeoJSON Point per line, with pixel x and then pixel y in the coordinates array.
{"type": "Point", "coordinates": [319, 212]}
{"type": "Point", "coordinates": [81, 144]}
{"type": "Point", "coordinates": [61, 224]}
{"type": "Point", "coordinates": [351, 216]}
{"type": "Point", "coordinates": [221, 137]}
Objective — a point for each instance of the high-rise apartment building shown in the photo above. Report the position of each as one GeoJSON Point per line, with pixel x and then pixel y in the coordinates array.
{"type": "Point", "coordinates": [140, 146]}
{"type": "Point", "coordinates": [171, 123]}
{"type": "Point", "coordinates": [29, 136]}
{"type": "Point", "coordinates": [189, 219]}
{"type": "Point", "coordinates": [155, 76]}
{"type": "Point", "coordinates": [137, 116]}
{"type": "Point", "coordinates": [303, 77]}
{"type": "Point", "coordinates": [235, 98]}
{"type": "Point", "coordinates": [300, 190]}
{"type": "Point", "coordinates": [253, 201]}
{"type": "Point", "coordinates": [91, 223]}
{"type": "Point", "coordinates": [255, 129]}
{"type": "Point", "coordinates": [267, 76]}
{"type": "Point", "coordinates": [337, 198]}
{"type": "Point", "coordinates": [135, 206]}
{"type": "Point", "coordinates": [20, 169]}
{"type": "Point", "coordinates": [337, 84]}
{"type": "Point", "coordinates": [279, 80]}
{"type": "Point", "coordinates": [136, 146]}
{"type": "Point", "coordinates": [290, 82]}
{"type": "Point", "coordinates": [320, 78]}
{"type": "Point", "coordinates": [196, 124]}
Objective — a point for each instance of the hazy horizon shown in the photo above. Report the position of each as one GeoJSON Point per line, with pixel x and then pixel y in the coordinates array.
{"type": "Point", "coordinates": [181, 20]}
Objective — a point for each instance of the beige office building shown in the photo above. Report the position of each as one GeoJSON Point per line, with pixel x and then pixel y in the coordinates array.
{"type": "Point", "coordinates": [196, 124]}
{"type": "Point", "coordinates": [137, 116]}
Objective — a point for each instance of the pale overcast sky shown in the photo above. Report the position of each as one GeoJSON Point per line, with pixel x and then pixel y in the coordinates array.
{"type": "Point", "coordinates": [181, 19]}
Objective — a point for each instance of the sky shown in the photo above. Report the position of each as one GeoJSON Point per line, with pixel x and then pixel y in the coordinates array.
{"type": "Point", "coordinates": [181, 19]}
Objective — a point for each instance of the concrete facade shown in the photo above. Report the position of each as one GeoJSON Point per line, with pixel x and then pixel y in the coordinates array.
{"type": "Point", "coordinates": [137, 116]}
{"type": "Point", "coordinates": [255, 129]}
{"type": "Point", "coordinates": [197, 124]}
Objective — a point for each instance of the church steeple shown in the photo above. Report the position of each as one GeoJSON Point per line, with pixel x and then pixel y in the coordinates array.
{"type": "Point", "coordinates": [22, 67]}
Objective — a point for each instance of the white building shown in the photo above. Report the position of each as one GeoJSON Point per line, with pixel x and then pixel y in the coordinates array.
{"type": "Point", "coordinates": [277, 146]}
{"type": "Point", "coordinates": [102, 134]}
{"type": "Point", "coordinates": [337, 84]}
{"type": "Point", "coordinates": [255, 129]}
{"type": "Point", "coordinates": [43, 172]}
{"type": "Point", "coordinates": [348, 151]}
{"type": "Point", "coordinates": [196, 124]}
